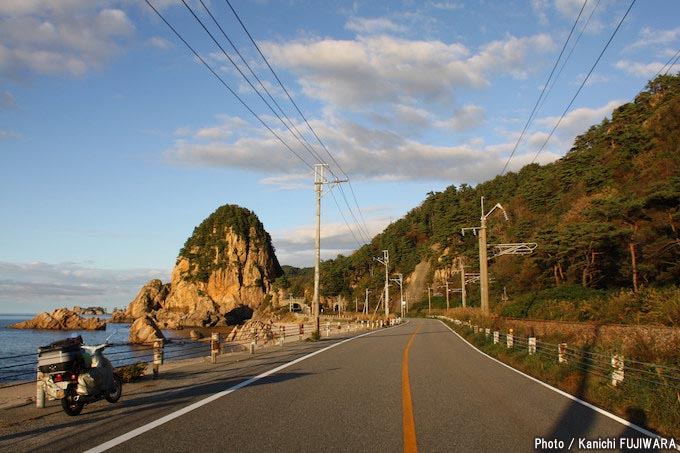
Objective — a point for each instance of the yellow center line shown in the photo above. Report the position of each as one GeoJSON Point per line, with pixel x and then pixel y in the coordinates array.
{"type": "Point", "coordinates": [410, 444]}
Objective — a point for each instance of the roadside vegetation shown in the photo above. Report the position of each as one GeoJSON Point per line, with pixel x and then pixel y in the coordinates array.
{"type": "Point", "coordinates": [131, 373]}
{"type": "Point", "coordinates": [649, 395]}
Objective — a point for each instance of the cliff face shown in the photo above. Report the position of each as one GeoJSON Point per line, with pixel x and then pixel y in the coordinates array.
{"type": "Point", "coordinates": [227, 262]}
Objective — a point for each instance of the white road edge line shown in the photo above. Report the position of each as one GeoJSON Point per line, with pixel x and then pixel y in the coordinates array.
{"type": "Point", "coordinates": [154, 424]}
{"type": "Point", "coordinates": [616, 418]}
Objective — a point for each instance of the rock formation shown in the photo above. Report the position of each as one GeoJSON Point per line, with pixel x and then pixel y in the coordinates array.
{"type": "Point", "coordinates": [145, 330]}
{"type": "Point", "coordinates": [61, 319]}
{"type": "Point", "coordinates": [226, 268]}
{"type": "Point", "coordinates": [89, 310]}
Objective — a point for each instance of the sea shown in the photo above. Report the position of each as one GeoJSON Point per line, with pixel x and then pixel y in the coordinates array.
{"type": "Point", "coordinates": [19, 347]}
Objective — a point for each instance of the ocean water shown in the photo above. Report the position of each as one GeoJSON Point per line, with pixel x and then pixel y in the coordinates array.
{"type": "Point", "coordinates": [19, 347]}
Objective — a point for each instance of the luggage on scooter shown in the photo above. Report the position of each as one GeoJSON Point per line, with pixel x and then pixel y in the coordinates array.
{"type": "Point", "coordinates": [62, 355]}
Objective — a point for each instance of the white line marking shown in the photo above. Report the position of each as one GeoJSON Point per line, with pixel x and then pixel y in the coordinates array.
{"type": "Point", "coordinates": [156, 423]}
{"type": "Point", "coordinates": [616, 418]}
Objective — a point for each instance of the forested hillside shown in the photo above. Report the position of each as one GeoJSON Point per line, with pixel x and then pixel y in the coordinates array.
{"type": "Point", "coordinates": [605, 216]}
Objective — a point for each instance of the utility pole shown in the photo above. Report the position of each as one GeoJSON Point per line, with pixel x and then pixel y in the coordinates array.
{"type": "Point", "coordinates": [483, 261]}
{"type": "Point", "coordinates": [429, 300]}
{"type": "Point", "coordinates": [400, 281]}
{"type": "Point", "coordinates": [386, 261]}
{"type": "Point", "coordinates": [319, 181]}
{"type": "Point", "coordinates": [463, 292]}
{"type": "Point", "coordinates": [366, 301]}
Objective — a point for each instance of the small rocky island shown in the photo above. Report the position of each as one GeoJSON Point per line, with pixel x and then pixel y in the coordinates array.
{"type": "Point", "coordinates": [61, 319]}
{"type": "Point", "coordinates": [224, 273]}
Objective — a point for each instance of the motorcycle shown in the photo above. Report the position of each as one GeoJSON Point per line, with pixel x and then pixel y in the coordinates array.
{"type": "Point", "coordinates": [78, 374]}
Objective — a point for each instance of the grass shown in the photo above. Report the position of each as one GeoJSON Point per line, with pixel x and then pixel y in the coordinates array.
{"type": "Point", "coordinates": [655, 407]}
{"type": "Point", "coordinates": [131, 373]}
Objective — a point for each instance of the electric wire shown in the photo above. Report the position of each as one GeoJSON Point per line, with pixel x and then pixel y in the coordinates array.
{"type": "Point", "coordinates": [290, 125]}
{"type": "Point", "coordinates": [571, 51]}
{"type": "Point", "coordinates": [252, 40]}
{"type": "Point", "coordinates": [545, 87]}
{"type": "Point", "coordinates": [674, 62]}
{"type": "Point", "coordinates": [345, 219]}
{"type": "Point", "coordinates": [207, 65]}
{"type": "Point", "coordinates": [611, 38]}
{"type": "Point", "coordinates": [673, 59]}
{"type": "Point", "coordinates": [296, 133]}
{"type": "Point", "coordinates": [200, 22]}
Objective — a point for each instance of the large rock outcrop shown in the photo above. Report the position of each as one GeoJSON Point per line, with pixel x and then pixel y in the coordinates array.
{"type": "Point", "coordinates": [227, 263]}
{"type": "Point", "coordinates": [145, 330]}
{"type": "Point", "coordinates": [61, 319]}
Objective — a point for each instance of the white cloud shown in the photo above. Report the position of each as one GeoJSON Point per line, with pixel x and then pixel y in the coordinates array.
{"type": "Point", "coordinates": [569, 8]}
{"type": "Point", "coordinates": [295, 246]}
{"type": "Point", "coordinates": [360, 150]}
{"type": "Point", "coordinates": [447, 5]}
{"type": "Point", "coordinates": [464, 118]}
{"type": "Point", "coordinates": [511, 56]}
{"type": "Point", "coordinates": [371, 26]}
{"type": "Point", "coordinates": [66, 284]}
{"type": "Point", "coordinates": [288, 182]}
{"type": "Point", "coordinates": [5, 134]}
{"type": "Point", "coordinates": [59, 38]}
{"type": "Point", "coordinates": [385, 69]}
{"type": "Point", "coordinates": [650, 37]}
{"type": "Point", "coordinates": [579, 120]}
{"type": "Point", "coordinates": [159, 43]}
{"type": "Point", "coordinates": [644, 70]}
{"type": "Point", "coordinates": [541, 7]}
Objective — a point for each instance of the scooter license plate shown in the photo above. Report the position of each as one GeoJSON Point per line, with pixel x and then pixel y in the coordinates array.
{"type": "Point", "coordinates": [55, 390]}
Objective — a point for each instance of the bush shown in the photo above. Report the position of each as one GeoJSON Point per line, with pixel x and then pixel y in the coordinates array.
{"type": "Point", "coordinates": [130, 373]}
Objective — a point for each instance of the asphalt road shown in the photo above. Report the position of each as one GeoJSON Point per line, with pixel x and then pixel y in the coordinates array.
{"type": "Point", "coordinates": [351, 397]}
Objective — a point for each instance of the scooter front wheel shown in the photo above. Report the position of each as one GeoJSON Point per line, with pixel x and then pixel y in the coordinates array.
{"type": "Point", "coordinates": [69, 404]}
{"type": "Point", "coordinates": [114, 395]}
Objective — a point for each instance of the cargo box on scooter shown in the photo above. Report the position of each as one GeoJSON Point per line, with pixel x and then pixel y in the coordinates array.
{"type": "Point", "coordinates": [62, 355]}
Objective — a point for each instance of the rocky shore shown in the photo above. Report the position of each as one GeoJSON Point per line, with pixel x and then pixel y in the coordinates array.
{"type": "Point", "coordinates": [61, 319]}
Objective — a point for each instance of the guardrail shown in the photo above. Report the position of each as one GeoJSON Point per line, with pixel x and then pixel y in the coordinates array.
{"type": "Point", "coordinates": [125, 354]}
{"type": "Point", "coordinates": [614, 367]}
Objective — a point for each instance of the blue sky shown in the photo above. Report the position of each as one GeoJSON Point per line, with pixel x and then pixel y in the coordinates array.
{"type": "Point", "coordinates": [116, 141]}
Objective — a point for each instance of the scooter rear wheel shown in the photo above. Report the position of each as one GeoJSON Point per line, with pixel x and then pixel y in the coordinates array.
{"type": "Point", "coordinates": [69, 404]}
{"type": "Point", "coordinates": [114, 395]}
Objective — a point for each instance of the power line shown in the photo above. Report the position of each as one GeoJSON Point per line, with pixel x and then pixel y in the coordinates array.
{"type": "Point", "coordinates": [673, 59]}
{"type": "Point", "coordinates": [227, 86]}
{"type": "Point", "coordinates": [252, 40]}
{"type": "Point", "coordinates": [308, 147]}
{"type": "Point", "coordinates": [584, 82]}
{"type": "Point", "coordinates": [241, 72]}
{"type": "Point", "coordinates": [545, 86]}
{"type": "Point", "coordinates": [299, 135]}
{"type": "Point", "coordinates": [571, 51]}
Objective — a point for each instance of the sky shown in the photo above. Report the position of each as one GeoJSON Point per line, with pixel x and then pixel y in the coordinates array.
{"type": "Point", "coordinates": [116, 140]}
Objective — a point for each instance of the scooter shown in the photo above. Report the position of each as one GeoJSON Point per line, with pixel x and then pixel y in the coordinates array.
{"type": "Point", "coordinates": [78, 374]}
